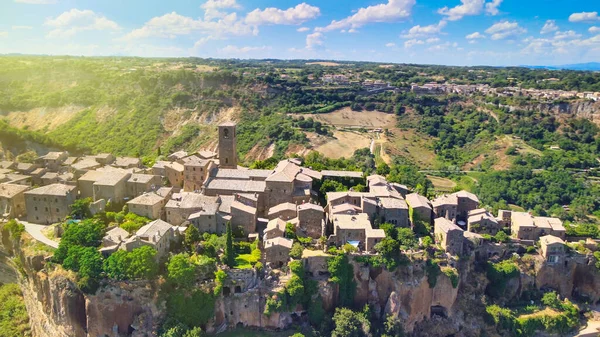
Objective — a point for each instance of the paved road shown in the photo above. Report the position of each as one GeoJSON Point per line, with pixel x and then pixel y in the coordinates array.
{"type": "Point", "coordinates": [36, 232]}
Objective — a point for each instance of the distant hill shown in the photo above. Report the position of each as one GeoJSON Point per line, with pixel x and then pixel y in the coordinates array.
{"type": "Point", "coordinates": [590, 66]}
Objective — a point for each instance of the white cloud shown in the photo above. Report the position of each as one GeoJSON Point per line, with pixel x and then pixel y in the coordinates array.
{"type": "Point", "coordinates": [172, 25]}
{"type": "Point", "coordinates": [235, 50]}
{"type": "Point", "coordinates": [570, 34]}
{"type": "Point", "coordinates": [303, 29]}
{"type": "Point", "coordinates": [491, 8]}
{"type": "Point", "coordinates": [504, 29]}
{"type": "Point", "coordinates": [390, 44]}
{"type": "Point", "coordinates": [555, 45]}
{"type": "Point", "coordinates": [202, 41]}
{"type": "Point", "coordinates": [314, 40]}
{"type": "Point", "coordinates": [37, 2]}
{"type": "Point", "coordinates": [214, 4]}
{"type": "Point", "coordinates": [432, 40]}
{"type": "Point", "coordinates": [594, 29]}
{"type": "Point", "coordinates": [275, 16]}
{"type": "Point", "coordinates": [74, 21]}
{"type": "Point", "coordinates": [3, 34]}
{"type": "Point", "coordinates": [21, 27]}
{"type": "Point", "coordinates": [412, 42]}
{"type": "Point", "coordinates": [474, 36]}
{"type": "Point", "coordinates": [549, 27]}
{"type": "Point", "coordinates": [584, 16]}
{"type": "Point", "coordinates": [392, 11]}
{"type": "Point", "coordinates": [419, 31]}
{"type": "Point", "coordinates": [469, 8]}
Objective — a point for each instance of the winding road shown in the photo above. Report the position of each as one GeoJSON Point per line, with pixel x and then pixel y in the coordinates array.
{"type": "Point", "coordinates": [36, 232]}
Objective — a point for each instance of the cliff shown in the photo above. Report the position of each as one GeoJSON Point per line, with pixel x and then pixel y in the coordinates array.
{"type": "Point", "coordinates": [58, 308]}
{"type": "Point", "coordinates": [575, 109]}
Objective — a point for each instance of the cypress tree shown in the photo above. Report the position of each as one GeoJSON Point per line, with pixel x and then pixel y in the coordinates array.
{"type": "Point", "coordinates": [229, 253]}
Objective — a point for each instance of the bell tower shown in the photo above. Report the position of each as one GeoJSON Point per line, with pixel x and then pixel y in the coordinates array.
{"type": "Point", "coordinates": [227, 149]}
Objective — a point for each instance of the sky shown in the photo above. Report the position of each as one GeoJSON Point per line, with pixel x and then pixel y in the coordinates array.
{"type": "Point", "coordinates": [450, 32]}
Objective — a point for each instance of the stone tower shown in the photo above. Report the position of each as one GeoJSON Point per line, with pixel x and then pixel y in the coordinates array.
{"type": "Point", "coordinates": [227, 149]}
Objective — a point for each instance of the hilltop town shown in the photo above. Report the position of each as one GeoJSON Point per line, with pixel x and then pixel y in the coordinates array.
{"type": "Point", "coordinates": [276, 217]}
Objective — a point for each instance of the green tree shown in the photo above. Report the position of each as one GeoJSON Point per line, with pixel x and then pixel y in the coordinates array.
{"type": "Point", "coordinates": [229, 252]}
{"type": "Point", "coordinates": [88, 233]}
{"type": "Point", "coordinates": [80, 209]}
{"type": "Point", "coordinates": [296, 251]}
{"type": "Point", "coordinates": [180, 271]}
{"type": "Point", "coordinates": [192, 237]}
{"type": "Point", "coordinates": [350, 324]}
{"type": "Point", "coordinates": [143, 263]}
{"type": "Point", "coordinates": [15, 229]}
{"type": "Point", "coordinates": [342, 273]}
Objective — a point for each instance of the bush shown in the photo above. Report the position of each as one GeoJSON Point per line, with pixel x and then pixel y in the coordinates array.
{"type": "Point", "coordinates": [15, 229]}
{"type": "Point", "coordinates": [499, 274]}
{"type": "Point", "coordinates": [452, 275]}
{"type": "Point", "coordinates": [14, 320]}
{"type": "Point", "coordinates": [432, 269]}
{"type": "Point", "coordinates": [296, 251]}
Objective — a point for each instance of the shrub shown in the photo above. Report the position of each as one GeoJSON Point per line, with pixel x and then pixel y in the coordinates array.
{"type": "Point", "coordinates": [432, 269]}
{"type": "Point", "coordinates": [15, 229]}
{"type": "Point", "coordinates": [452, 275]}
{"type": "Point", "coordinates": [296, 251]}
{"type": "Point", "coordinates": [499, 274]}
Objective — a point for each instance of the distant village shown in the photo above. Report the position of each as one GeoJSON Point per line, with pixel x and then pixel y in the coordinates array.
{"type": "Point", "coordinates": [207, 190]}
{"type": "Point", "coordinates": [434, 88]}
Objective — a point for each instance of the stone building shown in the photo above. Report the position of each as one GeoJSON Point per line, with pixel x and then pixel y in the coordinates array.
{"type": "Point", "coordinates": [12, 200]}
{"type": "Point", "coordinates": [227, 145]}
{"type": "Point", "coordinates": [195, 172]}
{"type": "Point", "coordinates": [127, 162]}
{"type": "Point", "coordinates": [445, 206]}
{"type": "Point", "coordinates": [139, 184]}
{"type": "Point", "coordinates": [52, 161]}
{"type": "Point", "coordinates": [455, 206]}
{"type": "Point", "coordinates": [174, 173]}
{"type": "Point", "coordinates": [57, 178]}
{"type": "Point", "coordinates": [112, 186]}
{"type": "Point", "coordinates": [26, 168]}
{"type": "Point", "coordinates": [49, 204]}
{"type": "Point", "coordinates": [179, 209]}
{"type": "Point", "coordinates": [243, 216]}
{"type": "Point", "coordinates": [394, 211]}
{"type": "Point", "coordinates": [149, 205]}
{"type": "Point", "coordinates": [449, 236]}
{"type": "Point", "coordinates": [86, 182]}
{"type": "Point", "coordinates": [114, 237]}
{"type": "Point", "coordinates": [157, 234]}
{"type": "Point", "coordinates": [355, 230]}
{"type": "Point", "coordinates": [285, 211]}
{"type": "Point", "coordinates": [277, 251]}
{"type": "Point", "coordinates": [526, 227]}
{"type": "Point", "coordinates": [275, 228]}
{"type": "Point", "coordinates": [483, 222]}
{"type": "Point", "coordinates": [420, 207]}
{"type": "Point", "coordinates": [104, 158]}
{"type": "Point", "coordinates": [311, 220]}
{"type": "Point", "coordinates": [553, 249]}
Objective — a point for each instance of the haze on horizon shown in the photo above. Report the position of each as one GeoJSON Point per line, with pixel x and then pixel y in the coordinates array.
{"type": "Point", "coordinates": [450, 32]}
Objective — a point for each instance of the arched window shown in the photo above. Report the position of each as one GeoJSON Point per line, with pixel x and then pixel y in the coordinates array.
{"type": "Point", "coordinates": [225, 133]}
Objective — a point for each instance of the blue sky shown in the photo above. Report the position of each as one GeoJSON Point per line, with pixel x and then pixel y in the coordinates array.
{"type": "Point", "coordinates": [455, 32]}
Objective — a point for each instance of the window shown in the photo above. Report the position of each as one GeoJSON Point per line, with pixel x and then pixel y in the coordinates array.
{"type": "Point", "coordinates": [225, 133]}
{"type": "Point", "coordinates": [553, 258]}
{"type": "Point", "coordinates": [35, 208]}
{"type": "Point", "coordinates": [57, 210]}
{"type": "Point", "coordinates": [46, 209]}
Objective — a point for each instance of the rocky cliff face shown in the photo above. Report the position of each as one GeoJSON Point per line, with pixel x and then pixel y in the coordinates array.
{"type": "Point", "coordinates": [579, 109]}
{"type": "Point", "coordinates": [57, 308]}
